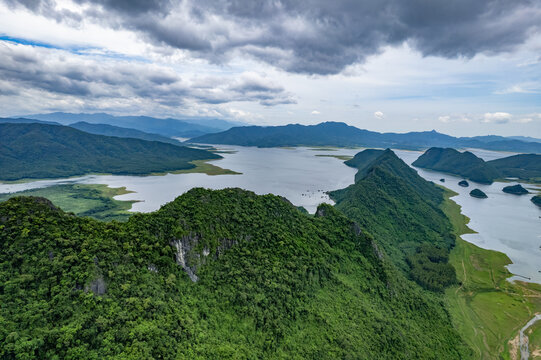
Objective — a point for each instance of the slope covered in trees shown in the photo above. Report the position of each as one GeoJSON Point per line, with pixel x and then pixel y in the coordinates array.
{"type": "Point", "coordinates": [523, 166]}
{"type": "Point", "coordinates": [464, 164]}
{"type": "Point", "coordinates": [402, 211]}
{"type": "Point", "coordinates": [272, 283]}
{"type": "Point", "coordinates": [49, 151]}
{"type": "Point", "coordinates": [110, 130]}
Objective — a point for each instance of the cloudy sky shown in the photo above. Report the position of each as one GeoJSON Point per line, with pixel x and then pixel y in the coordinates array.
{"type": "Point", "coordinates": [458, 66]}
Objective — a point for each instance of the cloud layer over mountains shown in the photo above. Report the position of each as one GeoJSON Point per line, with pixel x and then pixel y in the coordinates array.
{"type": "Point", "coordinates": [312, 36]}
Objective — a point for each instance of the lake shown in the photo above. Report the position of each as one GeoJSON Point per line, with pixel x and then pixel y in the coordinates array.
{"type": "Point", "coordinates": [504, 222]}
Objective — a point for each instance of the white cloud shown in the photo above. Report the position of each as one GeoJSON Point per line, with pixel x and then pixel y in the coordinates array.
{"type": "Point", "coordinates": [497, 118]}
{"type": "Point", "coordinates": [444, 119]}
{"type": "Point", "coordinates": [315, 112]}
{"type": "Point", "coordinates": [379, 115]}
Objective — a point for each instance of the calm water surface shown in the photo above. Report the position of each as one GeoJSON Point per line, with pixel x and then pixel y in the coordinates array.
{"type": "Point", "coordinates": [504, 222]}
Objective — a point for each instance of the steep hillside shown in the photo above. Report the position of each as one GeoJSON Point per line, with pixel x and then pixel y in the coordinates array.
{"type": "Point", "coordinates": [401, 210]}
{"type": "Point", "coordinates": [49, 151]}
{"type": "Point", "coordinates": [523, 166]}
{"type": "Point", "coordinates": [110, 130]}
{"type": "Point", "coordinates": [271, 283]}
{"type": "Point", "coordinates": [464, 164]}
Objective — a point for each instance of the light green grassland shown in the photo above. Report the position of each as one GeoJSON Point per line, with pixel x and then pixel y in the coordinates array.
{"type": "Point", "coordinates": [534, 335]}
{"type": "Point", "coordinates": [340, 157]}
{"type": "Point", "coordinates": [202, 166]}
{"type": "Point", "coordinates": [84, 200]}
{"type": "Point", "coordinates": [487, 309]}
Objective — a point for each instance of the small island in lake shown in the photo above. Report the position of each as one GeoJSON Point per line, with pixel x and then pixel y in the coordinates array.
{"type": "Point", "coordinates": [537, 200]}
{"type": "Point", "coordinates": [464, 183]}
{"type": "Point", "coordinates": [515, 189]}
{"type": "Point", "coordinates": [476, 193]}
{"type": "Point", "coordinates": [442, 180]}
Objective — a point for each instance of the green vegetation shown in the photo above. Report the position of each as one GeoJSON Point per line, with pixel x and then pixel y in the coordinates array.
{"type": "Point", "coordinates": [522, 166]}
{"type": "Point", "coordinates": [537, 200]}
{"type": "Point", "coordinates": [515, 190]}
{"type": "Point", "coordinates": [401, 209]}
{"type": "Point", "coordinates": [272, 283]}
{"type": "Point", "coordinates": [339, 157]}
{"type": "Point", "coordinates": [476, 193]}
{"type": "Point", "coordinates": [487, 310]}
{"type": "Point", "coordinates": [83, 200]}
{"type": "Point", "coordinates": [464, 164]}
{"type": "Point", "coordinates": [202, 166]}
{"type": "Point", "coordinates": [364, 158]}
{"type": "Point", "coordinates": [534, 337]}
{"type": "Point", "coordinates": [50, 151]}
{"type": "Point", "coordinates": [337, 134]}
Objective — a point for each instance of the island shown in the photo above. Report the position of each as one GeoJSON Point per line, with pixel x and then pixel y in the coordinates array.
{"type": "Point", "coordinates": [515, 190]}
{"type": "Point", "coordinates": [442, 180]}
{"type": "Point", "coordinates": [537, 200]}
{"type": "Point", "coordinates": [463, 183]}
{"type": "Point", "coordinates": [526, 167]}
{"type": "Point", "coordinates": [476, 193]}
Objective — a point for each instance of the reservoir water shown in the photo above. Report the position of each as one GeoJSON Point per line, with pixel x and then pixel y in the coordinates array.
{"type": "Point", "coordinates": [504, 222]}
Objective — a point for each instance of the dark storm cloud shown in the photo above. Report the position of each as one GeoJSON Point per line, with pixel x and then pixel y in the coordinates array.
{"type": "Point", "coordinates": [60, 72]}
{"type": "Point", "coordinates": [322, 36]}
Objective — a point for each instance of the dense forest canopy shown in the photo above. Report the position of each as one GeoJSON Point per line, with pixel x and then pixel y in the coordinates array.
{"type": "Point", "coordinates": [270, 281]}
{"type": "Point", "coordinates": [51, 151]}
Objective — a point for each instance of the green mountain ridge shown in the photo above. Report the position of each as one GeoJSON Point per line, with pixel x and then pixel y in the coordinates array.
{"type": "Point", "coordinates": [342, 135]}
{"type": "Point", "coordinates": [523, 166]}
{"type": "Point", "coordinates": [272, 282]}
{"type": "Point", "coordinates": [52, 151]}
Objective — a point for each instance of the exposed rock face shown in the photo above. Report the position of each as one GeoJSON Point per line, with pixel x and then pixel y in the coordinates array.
{"type": "Point", "coordinates": [476, 193]}
{"type": "Point", "coordinates": [464, 183]}
{"type": "Point", "coordinates": [515, 190]}
{"type": "Point", "coordinates": [191, 260]}
{"type": "Point", "coordinates": [97, 286]}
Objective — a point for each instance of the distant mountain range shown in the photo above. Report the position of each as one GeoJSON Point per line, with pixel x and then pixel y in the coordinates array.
{"type": "Point", "coordinates": [187, 127]}
{"type": "Point", "coordinates": [467, 165]}
{"type": "Point", "coordinates": [52, 151]}
{"type": "Point", "coordinates": [340, 134]}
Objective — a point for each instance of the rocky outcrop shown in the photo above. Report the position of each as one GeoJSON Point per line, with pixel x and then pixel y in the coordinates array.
{"type": "Point", "coordinates": [191, 257]}
{"type": "Point", "coordinates": [515, 190]}
{"type": "Point", "coordinates": [464, 183]}
{"type": "Point", "coordinates": [476, 193]}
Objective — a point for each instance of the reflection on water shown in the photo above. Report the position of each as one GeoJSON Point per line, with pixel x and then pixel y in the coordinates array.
{"type": "Point", "coordinates": [504, 222]}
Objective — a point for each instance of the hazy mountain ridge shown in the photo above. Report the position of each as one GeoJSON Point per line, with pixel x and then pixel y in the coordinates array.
{"type": "Point", "coordinates": [340, 134]}
{"type": "Point", "coordinates": [188, 127]}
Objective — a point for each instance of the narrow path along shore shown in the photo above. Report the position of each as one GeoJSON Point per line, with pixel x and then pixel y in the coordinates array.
{"type": "Point", "coordinates": [524, 351]}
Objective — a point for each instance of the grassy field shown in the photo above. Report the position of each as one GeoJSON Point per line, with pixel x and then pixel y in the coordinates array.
{"type": "Point", "coordinates": [534, 334]}
{"type": "Point", "coordinates": [487, 309]}
{"type": "Point", "coordinates": [340, 157]}
{"type": "Point", "coordinates": [202, 166]}
{"type": "Point", "coordinates": [84, 200]}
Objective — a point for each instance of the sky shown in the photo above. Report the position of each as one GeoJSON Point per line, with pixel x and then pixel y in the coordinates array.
{"type": "Point", "coordinates": [460, 67]}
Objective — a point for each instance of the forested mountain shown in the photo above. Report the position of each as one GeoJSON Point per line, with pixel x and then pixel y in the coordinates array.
{"type": "Point", "coordinates": [26, 121]}
{"type": "Point", "coordinates": [523, 166]}
{"type": "Point", "coordinates": [402, 210]}
{"type": "Point", "coordinates": [49, 151]}
{"type": "Point", "coordinates": [169, 127]}
{"type": "Point", "coordinates": [340, 134]}
{"type": "Point", "coordinates": [466, 164]}
{"type": "Point", "coordinates": [212, 275]}
{"type": "Point", "coordinates": [110, 130]}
